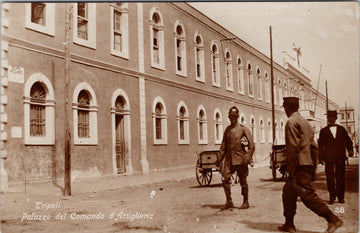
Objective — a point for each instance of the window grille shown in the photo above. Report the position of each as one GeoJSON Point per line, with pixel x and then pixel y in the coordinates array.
{"type": "Point", "coordinates": [37, 110]}
{"type": "Point", "coordinates": [82, 20]}
{"type": "Point", "coordinates": [83, 115]}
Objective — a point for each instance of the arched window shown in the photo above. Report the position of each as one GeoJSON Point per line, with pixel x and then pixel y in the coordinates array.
{"type": "Point", "coordinates": [282, 129]}
{"type": "Point", "coordinates": [240, 75]}
{"type": "Point", "coordinates": [285, 89]}
{"type": "Point", "coordinates": [215, 65]}
{"type": "Point", "coordinates": [199, 58]}
{"type": "Point", "coordinates": [259, 84]}
{"type": "Point", "coordinates": [157, 39]}
{"type": "Point", "coordinates": [159, 121]}
{"type": "Point", "coordinates": [267, 87]}
{"type": "Point", "coordinates": [119, 29]}
{"type": "Point", "coordinates": [270, 133]}
{"type": "Point", "coordinates": [218, 126]}
{"type": "Point", "coordinates": [37, 110]}
{"type": "Point", "coordinates": [39, 104]}
{"type": "Point", "coordinates": [262, 131]}
{"type": "Point", "coordinates": [180, 49]}
{"type": "Point", "coordinates": [243, 119]}
{"type": "Point", "coordinates": [250, 80]}
{"type": "Point", "coordinates": [228, 72]}
{"type": "Point", "coordinates": [302, 98]}
{"type": "Point", "coordinates": [85, 115]}
{"type": "Point", "coordinates": [202, 126]}
{"type": "Point", "coordinates": [253, 127]}
{"type": "Point", "coordinates": [183, 123]}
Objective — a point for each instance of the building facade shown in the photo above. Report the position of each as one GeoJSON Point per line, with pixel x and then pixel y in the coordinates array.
{"type": "Point", "coordinates": [346, 118]}
{"type": "Point", "coordinates": [149, 85]}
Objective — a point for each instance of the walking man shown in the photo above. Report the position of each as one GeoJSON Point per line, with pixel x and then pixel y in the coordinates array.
{"type": "Point", "coordinates": [333, 143]}
{"type": "Point", "coordinates": [235, 157]}
{"type": "Point", "coordinates": [299, 136]}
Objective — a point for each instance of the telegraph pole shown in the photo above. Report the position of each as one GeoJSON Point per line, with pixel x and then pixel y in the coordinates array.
{"type": "Point", "coordinates": [346, 127]}
{"type": "Point", "coordinates": [272, 90]}
{"type": "Point", "coordinates": [67, 172]}
{"type": "Point", "coordinates": [327, 98]}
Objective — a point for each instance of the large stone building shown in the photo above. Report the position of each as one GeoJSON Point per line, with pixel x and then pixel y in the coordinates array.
{"type": "Point", "coordinates": [346, 118]}
{"type": "Point", "coordinates": [149, 85]}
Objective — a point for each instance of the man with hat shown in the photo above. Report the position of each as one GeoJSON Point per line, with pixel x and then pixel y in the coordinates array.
{"type": "Point", "coordinates": [299, 143]}
{"type": "Point", "coordinates": [333, 143]}
{"type": "Point", "coordinates": [235, 157]}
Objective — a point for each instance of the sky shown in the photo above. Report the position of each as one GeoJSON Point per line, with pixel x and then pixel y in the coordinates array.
{"type": "Point", "coordinates": [327, 33]}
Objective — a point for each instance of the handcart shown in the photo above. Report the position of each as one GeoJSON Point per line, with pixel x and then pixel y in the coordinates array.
{"type": "Point", "coordinates": [278, 160]}
{"type": "Point", "coordinates": [205, 166]}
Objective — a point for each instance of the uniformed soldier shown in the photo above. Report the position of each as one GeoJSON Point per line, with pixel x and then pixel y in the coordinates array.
{"type": "Point", "coordinates": [235, 157]}
{"type": "Point", "coordinates": [299, 139]}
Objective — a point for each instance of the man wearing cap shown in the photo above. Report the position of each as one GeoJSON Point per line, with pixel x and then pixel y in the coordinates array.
{"type": "Point", "coordinates": [333, 143]}
{"type": "Point", "coordinates": [299, 136]}
{"type": "Point", "coordinates": [235, 157]}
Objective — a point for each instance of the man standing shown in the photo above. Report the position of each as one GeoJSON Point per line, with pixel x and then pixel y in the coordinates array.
{"type": "Point", "coordinates": [299, 136]}
{"type": "Point", "coordinates": [333, 141]}
{"type": "Point", "coordinates": [236, 158]}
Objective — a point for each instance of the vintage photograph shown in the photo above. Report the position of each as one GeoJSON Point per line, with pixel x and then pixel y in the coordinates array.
{"type": "Point", "coordinates": [186, 117]}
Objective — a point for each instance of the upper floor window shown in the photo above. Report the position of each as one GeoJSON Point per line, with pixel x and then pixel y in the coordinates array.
{"type": "Point", "coordinates": [228, 72]}
{"type": "Point", "coordinates": [215, 65]}
{"type": "Point", "coordinates": [218, 126]}
{"type": "Point", "coordinates": [39, 114]}
{"type": "Point", "coordinates": [180, 49]}
{"type": "Point", "coordinates": [85, 115]}
{"type": "Point", "coordinates": [119, 30]}
{"type": "Point", "coordinates": [267, 87]}
{"type": "Point", "coordinates": [157, 39]}
{"type": "Point", "coordinates": [159, 121]}
{"type": "Point", "coordinates": [240, 75]}
{"type": "Point", "coordinates": [183, 124]}
{"type": "Point", "coordinates": [259, 84]}
{"type": "Point", "coordinates": [202, 126]}
{"type": "Point", "coordinates": [199, 58]}
{"type": "Point", "coordinates": [285, 89]}
{"type": "Point", "coordinates": [41, 17]}
{"type": "Point", "coordinates": [85, 24]}
{"type": "Point", "coordinates": [250, 80]}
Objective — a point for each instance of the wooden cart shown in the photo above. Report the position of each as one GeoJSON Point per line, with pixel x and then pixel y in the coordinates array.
{"type": "Point", "coordinates": [278, 160]}
{"type": "Point", "coordinates": [205, 166]}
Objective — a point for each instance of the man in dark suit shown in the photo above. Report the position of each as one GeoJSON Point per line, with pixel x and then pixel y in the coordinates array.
{"type": "Point", "coordinates": [333, 142]}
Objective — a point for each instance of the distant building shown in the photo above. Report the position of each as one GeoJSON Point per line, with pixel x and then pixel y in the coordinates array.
{"type": "Point", "coordinates": [346, 118]}
{"type": "Point", "coordinates": [150, 84]}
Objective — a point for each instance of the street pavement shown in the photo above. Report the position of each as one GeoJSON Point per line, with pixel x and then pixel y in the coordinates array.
{"type": "Point", "coordinates": [176, 201]}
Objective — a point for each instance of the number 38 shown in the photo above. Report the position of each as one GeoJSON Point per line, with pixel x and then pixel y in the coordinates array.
{"type": "Point", "coordinates": [339, 210]}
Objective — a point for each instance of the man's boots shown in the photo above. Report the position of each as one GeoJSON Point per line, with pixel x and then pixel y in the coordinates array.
{"type": "Point", "coordinates": [245, 193]}
{"type": "Point", "coordinates": [229, 204]}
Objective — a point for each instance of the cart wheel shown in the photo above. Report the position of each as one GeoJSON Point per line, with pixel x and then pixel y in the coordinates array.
{"type": "Point", "coordinates": [273, 168]}
{"type": "Point", "coordinates": [203, 176]}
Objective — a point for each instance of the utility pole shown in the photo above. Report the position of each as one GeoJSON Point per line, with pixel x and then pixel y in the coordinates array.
{"type": "Point", "coordinates": [346, 127]}
{"type": "Point", "coordinates": [272, 90]}
{"type": "Point", "coordinates": [317, 90]}
{"type": "Point", "coordinates": [67, 172]}
{"type": "Point", "coordinates": [327, 98]}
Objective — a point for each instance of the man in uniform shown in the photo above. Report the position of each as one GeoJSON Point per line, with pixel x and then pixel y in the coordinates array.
{"type": "Point", "coordinates": [333, 142]}
{"type": "Point", "coordinates": [236, 158]}
{"type": "Point", "coordinates": [299, 139]}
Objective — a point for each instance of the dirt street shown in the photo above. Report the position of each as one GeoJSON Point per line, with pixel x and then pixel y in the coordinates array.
{"type": "Point", "coordinates": [176, 206]}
